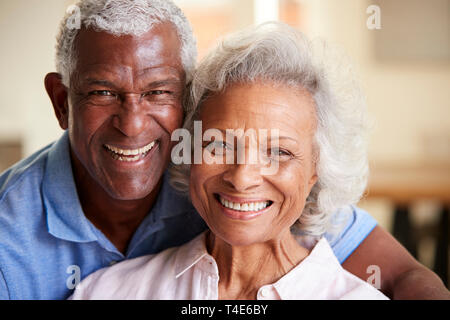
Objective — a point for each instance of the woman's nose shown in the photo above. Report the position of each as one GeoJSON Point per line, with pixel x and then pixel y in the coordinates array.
{"type": "Point", "coordinates": [243, 177]}
{"type": "Point", "coordinates": [132, 118]}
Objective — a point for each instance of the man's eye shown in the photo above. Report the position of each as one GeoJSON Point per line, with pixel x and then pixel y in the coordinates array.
{"type": "Point", "coordinates": [156, 93]}
{"type": "Point", "coordinates": [104, 93]}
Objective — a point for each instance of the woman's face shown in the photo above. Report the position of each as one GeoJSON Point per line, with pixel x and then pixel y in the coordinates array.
{"type": "Point", "coordinates": [241, 203]}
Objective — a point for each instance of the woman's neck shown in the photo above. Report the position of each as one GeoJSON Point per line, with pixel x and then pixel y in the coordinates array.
{"type": "Point", "coordinates": [244, 269]}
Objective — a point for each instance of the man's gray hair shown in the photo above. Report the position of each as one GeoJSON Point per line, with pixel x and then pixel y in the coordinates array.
{"type": "Point", "coordinates": [122, 17]}
{"type": "Point", "coordinates": [279, 54]}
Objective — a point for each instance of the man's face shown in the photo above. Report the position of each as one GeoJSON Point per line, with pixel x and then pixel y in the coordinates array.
{"type": "Point", "coordinates": [124, 102]}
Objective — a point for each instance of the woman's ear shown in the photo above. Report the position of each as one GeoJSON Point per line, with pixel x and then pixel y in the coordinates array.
{"type": "Point", "coordinates": [59, 96]}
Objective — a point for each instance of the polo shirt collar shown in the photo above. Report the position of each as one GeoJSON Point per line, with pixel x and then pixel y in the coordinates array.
{"type": "Point", "coordinates": [313, 274]}
{"type": "Point", "coordinates": [190, 254]}
{"type": "Point", "coordinates": [169, 202]}
{"type": "Point", "coordinates": [316, 272]}
{"type": "Point", "coordinates": [65, 217]}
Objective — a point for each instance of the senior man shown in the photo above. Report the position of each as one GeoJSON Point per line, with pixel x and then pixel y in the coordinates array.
{"type": "Point", "coordinates": [100, 193]}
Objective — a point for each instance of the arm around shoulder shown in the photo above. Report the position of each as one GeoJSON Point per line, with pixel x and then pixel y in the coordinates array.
{"type": "Point", "coordinates": [401, 275]}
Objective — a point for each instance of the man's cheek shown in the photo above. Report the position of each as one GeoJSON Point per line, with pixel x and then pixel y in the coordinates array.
{"type": "Point", "coordinates": [173, 118]}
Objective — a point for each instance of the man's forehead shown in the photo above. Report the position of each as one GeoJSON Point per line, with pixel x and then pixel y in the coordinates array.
{"type": "Point", "coordinates": [99, 72]}
{"type": "Point", "coordinates": [158, 47]}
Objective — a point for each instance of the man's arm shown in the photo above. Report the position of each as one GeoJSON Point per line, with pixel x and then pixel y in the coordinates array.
{"type": "Point", "coordinates": [402, 276]}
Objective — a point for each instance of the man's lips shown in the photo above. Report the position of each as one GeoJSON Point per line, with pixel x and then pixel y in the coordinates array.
{"type": "Point", "coordinates": [130, 154]}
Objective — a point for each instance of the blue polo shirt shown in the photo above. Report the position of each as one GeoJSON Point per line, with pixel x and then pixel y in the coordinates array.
{"type": "Point", "coordinates": [47, 245]}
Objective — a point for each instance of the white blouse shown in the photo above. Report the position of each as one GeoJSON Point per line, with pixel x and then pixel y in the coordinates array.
{"type": "Point", "coordinates": [189, 272]}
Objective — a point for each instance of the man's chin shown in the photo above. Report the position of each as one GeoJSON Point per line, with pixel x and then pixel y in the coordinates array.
{"type": "Point", "coordinates": [131, 192]}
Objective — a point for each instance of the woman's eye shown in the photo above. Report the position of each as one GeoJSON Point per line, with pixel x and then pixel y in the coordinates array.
{"type": "Point", "coordinates": [278, 153]}
{"type": "Point", "coordinates": [217, 144]}
{"type": "Point", "coordinates": [216, 147]}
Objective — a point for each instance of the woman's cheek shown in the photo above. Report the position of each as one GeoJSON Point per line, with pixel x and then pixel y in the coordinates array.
{"type": "Point", "coordinates": [293, 198]}
{"type": "Point", "coordinates": [199, 196]}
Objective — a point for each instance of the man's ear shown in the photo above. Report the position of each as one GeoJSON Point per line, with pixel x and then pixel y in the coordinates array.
{"type": "Point", "coordinates": [59, 96]}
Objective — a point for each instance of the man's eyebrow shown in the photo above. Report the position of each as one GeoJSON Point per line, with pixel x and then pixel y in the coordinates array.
{"type": "Point", "coordinates": [152, 84]}
{"type": "Point", "coordinates": [99, 82]}
{"type": "Point", "coordinates": [161, 83]}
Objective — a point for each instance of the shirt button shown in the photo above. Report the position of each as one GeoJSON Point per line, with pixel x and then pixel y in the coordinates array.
{"type": "Point", "coordinates": [265, 292]}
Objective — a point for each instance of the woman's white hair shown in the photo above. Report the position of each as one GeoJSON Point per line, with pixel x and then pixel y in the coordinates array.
{"type": "Point", "coordinates": [122, 17]}
{"type": "Point", "coordinates": [277, 53]}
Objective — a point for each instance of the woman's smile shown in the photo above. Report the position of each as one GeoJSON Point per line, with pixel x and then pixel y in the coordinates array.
{"type": "Point", "coordinates": [242, 208]}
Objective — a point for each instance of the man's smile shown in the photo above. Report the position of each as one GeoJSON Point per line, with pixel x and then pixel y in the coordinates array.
{"type": "Point", "coordinates": [130, 155]}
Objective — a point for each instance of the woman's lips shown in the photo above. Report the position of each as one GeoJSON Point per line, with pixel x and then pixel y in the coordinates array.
{"type": "Point", "coordinates": [242, 208]}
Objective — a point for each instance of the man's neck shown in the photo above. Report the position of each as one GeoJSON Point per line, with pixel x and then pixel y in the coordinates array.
{"type": "Point", "coordinates": [117, 219]}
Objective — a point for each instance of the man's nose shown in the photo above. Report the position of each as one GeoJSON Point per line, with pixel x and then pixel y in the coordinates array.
{"type": "Point", "coordinates": [243, 177]}
{"type": "Point", "coordinates": [132, 119]}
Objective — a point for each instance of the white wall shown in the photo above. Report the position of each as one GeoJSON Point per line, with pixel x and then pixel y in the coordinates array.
{"type": "Point", "coordinates": [27, 35]}
{"type": "Point", "coordinates": [409, 100]}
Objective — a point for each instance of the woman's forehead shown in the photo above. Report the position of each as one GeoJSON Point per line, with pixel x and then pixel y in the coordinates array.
{"type": "Point", "coordinates": [260, 105]}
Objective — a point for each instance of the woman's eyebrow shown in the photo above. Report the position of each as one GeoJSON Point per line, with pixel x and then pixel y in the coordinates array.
{"type": "Point", "coordinates": [283, 138]}
{"type": "Point", "coordinates": [269, 137]}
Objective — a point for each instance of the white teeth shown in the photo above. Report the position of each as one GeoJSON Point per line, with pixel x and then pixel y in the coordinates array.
{"type": "Point", "coordinates": [129, 159]}
{"type": "Point", "coordinates": [249, 206]}
{"type": "Point", "coordinates": [130, 152]}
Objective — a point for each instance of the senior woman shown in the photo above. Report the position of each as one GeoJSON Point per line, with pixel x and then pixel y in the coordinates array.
{"type": "Point", "coordinates": [266, 227]}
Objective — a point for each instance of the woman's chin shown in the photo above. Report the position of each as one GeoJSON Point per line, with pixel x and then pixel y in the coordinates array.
{"type": "Point", "coordinates": [238, 239]}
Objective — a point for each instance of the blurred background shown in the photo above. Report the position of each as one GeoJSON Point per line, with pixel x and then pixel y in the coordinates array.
{"type": "Point", "coordinates": [400, 48]}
